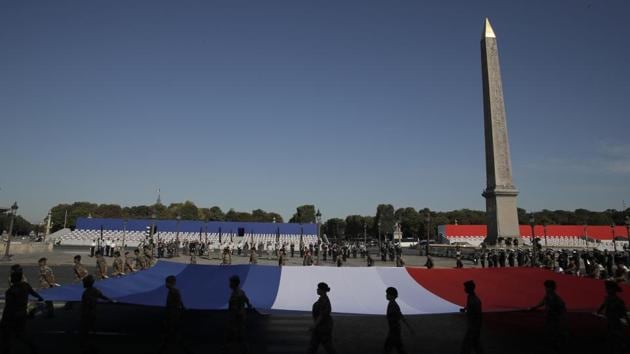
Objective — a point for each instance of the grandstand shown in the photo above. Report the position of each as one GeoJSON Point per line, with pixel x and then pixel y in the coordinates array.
{"type": "Point", "coordinates": [562, 236]}
{"type": "Point", "coordinates": [216, 233]}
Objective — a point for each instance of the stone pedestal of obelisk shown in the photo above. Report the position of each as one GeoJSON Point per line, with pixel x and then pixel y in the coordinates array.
{"type": "Point", "coordinates": [500, 193]}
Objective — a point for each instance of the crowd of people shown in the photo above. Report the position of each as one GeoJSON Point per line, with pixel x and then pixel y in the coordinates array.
{"type": "Point", "coordinates": [581, 262]}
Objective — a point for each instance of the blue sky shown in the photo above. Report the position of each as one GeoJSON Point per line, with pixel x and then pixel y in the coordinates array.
{"type": "Point", "coordinates": [344, 104]}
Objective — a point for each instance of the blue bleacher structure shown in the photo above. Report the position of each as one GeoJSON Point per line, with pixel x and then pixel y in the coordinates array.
{"type": "Point", "coordinates": [219, 233]}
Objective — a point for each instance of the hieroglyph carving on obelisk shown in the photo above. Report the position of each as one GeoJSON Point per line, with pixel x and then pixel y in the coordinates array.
{"type": "Point", "coordinates": [500, 193]}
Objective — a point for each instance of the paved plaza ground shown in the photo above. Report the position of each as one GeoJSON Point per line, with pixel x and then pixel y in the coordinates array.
{"type": "Point", "coordinates": [136, 329]}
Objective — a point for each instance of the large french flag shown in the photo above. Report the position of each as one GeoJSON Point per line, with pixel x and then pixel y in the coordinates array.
{"type": "Point", "coordinates": [354, 290]}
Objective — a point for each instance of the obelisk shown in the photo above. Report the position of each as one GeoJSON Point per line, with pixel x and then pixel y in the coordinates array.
{"type": "Point", "coordinates": [500, 193]}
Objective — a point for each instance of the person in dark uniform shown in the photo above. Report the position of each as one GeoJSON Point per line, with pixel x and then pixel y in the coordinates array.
{"type": "Point", "coordinates": [615, 310]}
{"type": "Point", "coordinates": [370, 260]}
{"type": "Point", "coordinates": [236, 308]}
{"type": "Point", "coordinates": [292, 247]}
{"type": "Point", "coordinates": [89, 299]}
{"type": "Point", "coordinates": [473, 315]}
{"type": "Point", "coordinates": [555, 321]}
{"type": "Point", "coordinates": [321, 330]}
{"type": "Point", "coordinates": [429, 262]}
{"type": "Point", "coordinates": [13, 323]}
{"type": "Point", "coordinates": [172, 323]}
{"type": "Point", "coordinates": [394, 316]}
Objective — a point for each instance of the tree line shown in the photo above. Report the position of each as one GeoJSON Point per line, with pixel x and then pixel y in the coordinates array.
{"type": "Point", "coordinates": [413, 222]}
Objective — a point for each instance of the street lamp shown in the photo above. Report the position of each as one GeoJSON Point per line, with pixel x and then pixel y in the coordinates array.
{"type": "Point", "coordinates": [585, 235]}
{"type": "Point", "coordinates": [545, 232]}
{"type": "Point", "coordinates": [532, 222]}
{"type": "Point", "coordinates": [124, 234]}
{"type": "Point", "coordinates": [427, 219]}
{"type": "Point", "coordinates": [365, 234]}
{"type": "Point", "coordinates": [379, 235]}
{"type": "Point", "coordinates": [612, 230]}
{"type": "Point", "coordinates": [179, 218]}
{"type": "Point", "coordinates": [628, 229]}
{"type": "Point", "coordinates": [318, 218]}
{"type": "Point", "coordinates": [13, 212]}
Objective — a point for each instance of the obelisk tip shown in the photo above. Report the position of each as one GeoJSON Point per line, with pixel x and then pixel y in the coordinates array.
{"type": "Point", "coordinates": [487, 30]}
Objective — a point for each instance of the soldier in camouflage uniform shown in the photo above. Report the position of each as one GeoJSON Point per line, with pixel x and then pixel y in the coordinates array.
{"type": "Point", "coordinates": [141, 262]}
{"type": "Point", "coordinates": [129, 263]}
{"type": "Point", "coordinates": [79, 269]}
{"type": "Point", "coordinates": [101, 266]}
{"type": "Point", "coordinates": [118, 266]}
{"type": "Point", "coordinates": [46, 275]}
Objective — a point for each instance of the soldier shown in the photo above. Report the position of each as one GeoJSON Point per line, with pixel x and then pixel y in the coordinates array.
{"type": "Point", "coordinates": [227, 257]}
{"type": "Point", "coordinates": [321, 330]}
{"type": "Point", "coordinates": [615, 310]}
{"type": "Point", "coordinates": [89, 299]}
{"type": "Point", "coordinates": [555, 320]}
{"type": "Point", "coordinates": [429, 262]}
{"type": "Point", "coordinates": [13, 323]}
{"type": "Point", "coordinates": [148, 256]}
{"type": "Point", "coordinates": [473, 314]}
{"type": "Point", "coordinates": [140, 260]}
{"type": "Point", "coordinates": [173, 318]}
{"type": "Point", "coordinates": [253, 256]}
{"type": "Point", "coordinates": [79, 270]}
{"type": "Point", "coordinates": [101, 266]}
{"type": "Point", "coordinates": [236, 308]}
{"type": "Point", "coordinates": [281, 258]}
{"type": "Point", "coordinates": [46, 275]}
{"type": "Point", "coordinates": [458, 262]}
{"type": "Point", "coordinates": [292, 249]}
{"type": "Point", "coordinates": [370, 261]}
{"type": "Point", "coordinates": [308, 260]}
{"type": "Point", "coordinates": [128, 263]}
{"type": "Point", "coordinates": [400, 262]}
{"type": "Point", "coordinates": [394, 316]}
{"type": "Point", "coordinates": [118, 266]}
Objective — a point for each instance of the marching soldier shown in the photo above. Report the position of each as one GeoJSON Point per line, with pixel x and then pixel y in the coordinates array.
{"type": "Point", "coordinates": [118, 266]}
{"type": "Point", "coordinates": [473, 315]}
{"type": "Point", "coordinates": [394, 316]}
{"type": "Point", "coordinates": [321, 330]}
{"type": "Point", "coordinates": [128, 263]}
{"type": "Point", "coordinates": [13, 323]}
{"type": "Point", "coordinates": [236, 308]}
{"type": "Point", "coordinates": [226, 259]}
{"type": "Point", "coordinates": [89, 299]}
{"type": "Point", "coordinates": [141, 262]}
{"type": "Point", "coordinates": [101, 266]}
{"type": "Point", "coordinates": [615, 310]}
{"type": "Point", "coordinates": [46, 275]}
{"type": "Point", "coordinates": [253, 256]}
{"type": "Point", "coordinates": [555, 321]}
{"type": "Point", "coordinates": [174, 312]}
{"type": "Point", "coordinates": [79, 269]}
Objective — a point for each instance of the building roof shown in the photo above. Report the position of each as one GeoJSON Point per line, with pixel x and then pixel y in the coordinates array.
{"type": "Point", "coordinates": [595, 232]}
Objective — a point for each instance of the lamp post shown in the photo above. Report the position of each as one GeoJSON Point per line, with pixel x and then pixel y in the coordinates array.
{"type": "Point", "coordinates": [612, 230]}
{"type": "Point", "coordinates": [13, 212]}
{"type": "Point", "coordinates": [628, 229]}
{"type": "Point", "coordinates": [318, 219]}
{"type": "Point", "coordinates": [545, 232]}
{"type": "Point", "coordinates": [152, 234]}
{"type": "Point", "coordinates": [379, 236]}
{"type": "Point", "coordinates": [179, 218]}
{"type": "Point", "coordinates": [585, 236]}
{"type": "Point", "coordinates": [124, 234]}
{"type": "Point", "coordinates": [532, 222]}
{"type": "Point", "coordinates": [365, 234]}
{"type": "Point", "coordinates": [427, 219]}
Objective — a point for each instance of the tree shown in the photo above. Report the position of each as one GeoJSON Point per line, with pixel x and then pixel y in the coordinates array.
{"type": "Point", "coordinates": [410, 221]}
{"type": "Point", "coordinates": [305, 214]}
{"type": "Point", "coordinates": [385, 217]}
{"type": "Point", "coordinates": [108, 211]}
{"type": "Point", "coordinates": [189, 211]}
{"type": "Point", "coordinates": [335, 228]}
{"type": "Point", "coordinates": [216, 214]}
